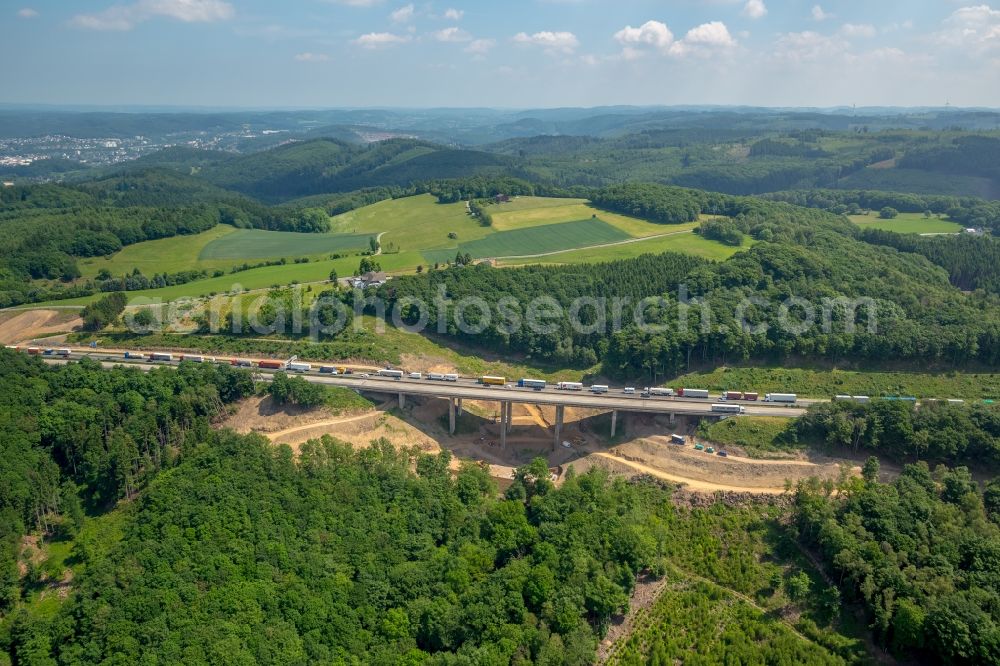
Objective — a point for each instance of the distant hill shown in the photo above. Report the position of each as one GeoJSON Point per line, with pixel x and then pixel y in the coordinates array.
{"type": "Point", "coordinates": [155, 186]}
{"type": "Point", "coordinates": [180, 158]}
{"type": "Point", "coordinates": [327, 165]}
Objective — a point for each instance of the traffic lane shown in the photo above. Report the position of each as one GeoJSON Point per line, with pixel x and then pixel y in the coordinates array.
{"type": "Point", "coordinates": [592, 401]}
{"type": "Point", "coordinates": [474, 390]}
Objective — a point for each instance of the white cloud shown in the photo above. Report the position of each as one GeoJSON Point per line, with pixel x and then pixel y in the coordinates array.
{"type": "Point", "coordinates": [454, 14]}
{"type": "Point", "coordinates": [480, 47]}
{"type": "Point", "coordinates": [650, 33]}
{"type": "Point", "coordinates": [452, 34]}
{"type": "Point", "coordinates": [976, 29]}
{"type": "Point", "coordinates": [552, 42]}
{"type": "Point", "coordinates": [819, 15]}
{"type": "Point", "coordinates": [705, 39]}
{"type": "Point", "coordinates": [312, 57]}
{"type": "Point", "coordinates": [126, 17]}
{"type": "Point", "coordinates": [378, 40]}
{"type": "Point", "coordinates": [858, 30]}
{"type": "Point", "coordinates": [755, 9]}
{"type": "Point", "coordinates": [403, 14]}
{"type": "Point", "coordinates": [357, 3]}
{"type": "Point", "coordinates": [27, 13]}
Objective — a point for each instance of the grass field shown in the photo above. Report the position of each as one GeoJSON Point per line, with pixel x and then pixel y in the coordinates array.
{"type": "Point", "coordinates": [416, 232]}
{"type": "Point", "coordinates": [827, 383]}
{"type": "Point", "coordinates": [258, 244]}
{"type": "Point", "coordinates": [413, 223]}
{"type": "Point", "coordinates": [537, 240]}
{"type": "Point", "coordinates": [525, 212]}
{"type": "Point", "coordinates": [166, 255]}
{"type": "Point", "coordinates": [753, 433]}
{"type": "Point", "coordinates": [908, 223]}
{"type": "Point", "coordinates": [686, 243]}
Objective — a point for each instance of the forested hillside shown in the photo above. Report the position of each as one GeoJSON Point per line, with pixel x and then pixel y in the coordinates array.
{"type": "Point", "coordinates": [809, 254]}
{"type": "Point", "coordinates": [323, 166]}
{"type": "Point", "coordinates": [920, 553]}
{"type": "Point", "coordinates": [230, 550]}
{"type": "Point", "coordinates": [78, 437]}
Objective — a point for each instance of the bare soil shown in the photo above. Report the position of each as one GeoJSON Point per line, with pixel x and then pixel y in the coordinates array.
{"type": "Point", "coordinates": [18, 326]}
{"type": "Point", "coordinates": [642, 447]}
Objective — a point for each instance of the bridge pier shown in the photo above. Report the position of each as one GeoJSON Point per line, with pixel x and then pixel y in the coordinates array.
{"type": "Point", "coordinates": [504, 419]}
{"type": "Point", "coordinates": [510, 416]}
{"type": "Point", "coordinates": [673, 418]}
{"type": "Point", "coordinates": [402, 400]}
{"type": "Point", "coordinates": [459, 406]}
{"type": "Point", "coordinates": [614, 422]}
{"type": "Point", "coordinates": [451, 416]}
{"type": "Point", "coordinates": [560, 409]}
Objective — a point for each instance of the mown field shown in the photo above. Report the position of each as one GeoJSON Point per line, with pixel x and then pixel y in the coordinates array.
{"type": "Point", "coordinates": [823, 383]}
{"type": "Point", "coordinates": [907, 223]}
{"type": "Point", "coordinates": [166, 255]}
{"type": "Point", "coordinates": [258, 244]}
{"type": "Point", "coordinates": [415, 233]}
{"type": "Point", "coordinates": [677, 241]}
{"type": "Point", "coordinates": [536, 240]}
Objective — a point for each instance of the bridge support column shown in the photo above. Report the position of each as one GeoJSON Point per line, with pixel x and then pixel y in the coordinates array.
{"type": "Point", "coordinates": [451, 416]}
{"type": "Point", "coordinates": [510, 416]}
{"type": "Point", "coordinates": [560, 409]}
{"type": "Point", "coordinates": [673, 418]}
{"type": "Point", "coordinates": [459, 406]}
{"type": "Point", "coordinates": [402, 400]}
{"type": "Point", "coordinates": [614, 422]}
{"type": "Point", "coordinates": [504, 419]}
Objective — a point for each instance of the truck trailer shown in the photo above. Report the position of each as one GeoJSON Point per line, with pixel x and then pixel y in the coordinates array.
{"type": "Point", "coordinates": [785, 398]}
{"type": "Point", "coordinates": [537, 384]}
{"type": "Point", "coordinates": [692, 393]}
{"type": "Point", "coordinates": [296, 366]}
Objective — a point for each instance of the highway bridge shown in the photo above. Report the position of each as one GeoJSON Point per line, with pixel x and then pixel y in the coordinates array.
{"type": "Point", "coordinates": [470, 389]}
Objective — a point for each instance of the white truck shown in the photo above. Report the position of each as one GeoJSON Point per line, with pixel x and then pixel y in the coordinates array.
{"type": "Point", "coordinates": [599, 388]}
{"type": "Point", "coordinates": [784, 398]}
{"type": "Point", "coordinates": [570, 386]}
{"type": "Point", "coordinates": [296, 366]}
{"type": "Point", "coordinates": [728, 409]}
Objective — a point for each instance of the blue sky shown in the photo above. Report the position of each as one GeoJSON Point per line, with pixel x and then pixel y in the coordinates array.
{"type": "Point", "coordinates": [514, 53]}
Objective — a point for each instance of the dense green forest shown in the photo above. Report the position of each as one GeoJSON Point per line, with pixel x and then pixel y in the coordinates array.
{"type": "Point", "coordinates": [968, 211]}
{"type": "Point", "coordinates": [972, 262]}
{"type": "Point", "coordinates": [804, 253]}
{"type": "Point", "coordinates": [921, 553]}
{"type": "Point", "coordinates": [938, 431]}
{"type": "Point", "coordinates": [231, 550]}
{"type": "Point", "coordinates": [78, 434]}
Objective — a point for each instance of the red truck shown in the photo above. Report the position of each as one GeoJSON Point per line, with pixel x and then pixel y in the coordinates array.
{"type": "Point", "coordinates": [271, 365]}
